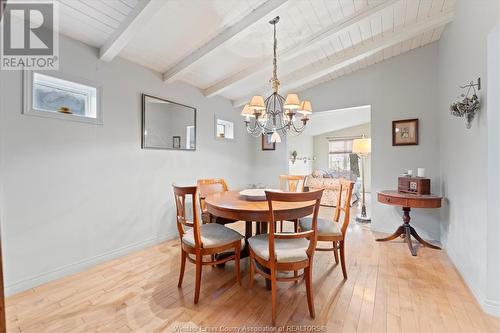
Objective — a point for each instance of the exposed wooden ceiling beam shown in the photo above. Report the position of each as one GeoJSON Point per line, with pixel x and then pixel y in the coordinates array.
{"type": "Point", "coordinates": [300, 48]}
{"type": "Point", "coordinates": [138, 17]}
{"type": "Point", "coordinates": [317, 71]}
{"type": "Point", "coordinates": [256, 15]}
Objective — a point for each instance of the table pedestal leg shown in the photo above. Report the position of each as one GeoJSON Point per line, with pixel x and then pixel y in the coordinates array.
{"type": "Point", "coordinates": [407, 231]}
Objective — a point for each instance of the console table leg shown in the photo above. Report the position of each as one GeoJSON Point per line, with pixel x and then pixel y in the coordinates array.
{"type": "Point", "coordinates": [421, 241]}
{"type": "Point", "coordinates": [408, 240]}
{"type": "Point", "coordinates": [395, 235]}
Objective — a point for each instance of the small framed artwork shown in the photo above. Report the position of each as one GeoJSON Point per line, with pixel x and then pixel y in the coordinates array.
{"type": "Point", "coordinates": [176, 142]}
{"type": "Point", "coordinates": [266, 142]}
{"type": "Point", "coordinates": [405, 132]}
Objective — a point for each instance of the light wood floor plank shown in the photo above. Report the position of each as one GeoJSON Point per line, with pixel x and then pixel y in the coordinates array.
{"type": "Point", "coordinates": [387, 290]}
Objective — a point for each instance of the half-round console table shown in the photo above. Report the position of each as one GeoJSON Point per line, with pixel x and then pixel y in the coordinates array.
{"type": "Point", "coordinates": [408, 201]}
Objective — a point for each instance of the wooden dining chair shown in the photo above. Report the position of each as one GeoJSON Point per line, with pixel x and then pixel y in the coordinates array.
{"type": "Point", "coordinates": [203, 239]}
{"type": "Point", "coordinates": [285, 251]}
{"type": "Point", "coordinates": [332, 230]}
{"type": "Point", "coordinates": [206, 187]}
{"type": "Point", "coordinates": [292, 183]}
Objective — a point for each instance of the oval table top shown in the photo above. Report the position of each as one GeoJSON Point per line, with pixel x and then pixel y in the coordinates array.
{"type": "Point", "coordinates": [230, 205]}
{"type": "Point", "coordinates": [395, 198]}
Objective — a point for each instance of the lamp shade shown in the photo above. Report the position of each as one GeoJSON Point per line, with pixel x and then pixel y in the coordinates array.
{"type": "Point", "coordinates": [247, 111]}
{"type": "Point", "coordinates": [362, 146]}
{"type": "Point", "coordinates": [292, 102]}
{"type": "Point", "coordinates": [257, 103]}
{"type": "Point", "coordinates": [305, 108]}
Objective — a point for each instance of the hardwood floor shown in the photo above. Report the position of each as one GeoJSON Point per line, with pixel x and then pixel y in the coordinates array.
{"type": "Point", "coordinates": [388, 290]}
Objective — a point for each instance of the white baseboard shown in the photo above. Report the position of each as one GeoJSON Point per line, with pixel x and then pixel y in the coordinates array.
{"type": "Point", "coordinates": [492, 307]}
{"type": "Point", "coordinates": [81, 265]}
{"type": "Point", "coordinates": [488, 306]}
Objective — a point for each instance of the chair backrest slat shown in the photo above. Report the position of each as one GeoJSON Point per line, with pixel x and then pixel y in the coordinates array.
{"type": "Point", "coordinates": [344, 203]}
{"type": "Point", "coordinates": [180, 194]}
{"type": "Point", "coordinates": [314, 198]}
{"type": "Point", "coordinates": [209, 186]}
{"type": "Point", "coordinates": [291, 183]}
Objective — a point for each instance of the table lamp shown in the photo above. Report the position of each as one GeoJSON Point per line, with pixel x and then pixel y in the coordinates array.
{"type": "Point", "coordinates": [362, 147]}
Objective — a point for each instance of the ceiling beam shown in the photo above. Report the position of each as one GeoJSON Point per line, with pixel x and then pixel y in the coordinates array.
{"type": "Point", "coordinates": [138, 17]}
{"type": "Point", "coordinates": [317, 71]}
{"type": "Point", "coordinates": [256, 15]}
{"type": "Point", "coordinates": [299, 48]}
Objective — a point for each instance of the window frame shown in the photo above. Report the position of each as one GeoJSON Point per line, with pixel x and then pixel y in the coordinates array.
{"type": "Point", "coordinates": [29, 110]}
{"type": "Point", "coordinates": [348, 152]}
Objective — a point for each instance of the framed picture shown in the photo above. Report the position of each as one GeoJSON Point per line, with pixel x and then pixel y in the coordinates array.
{"type": "Point", "coordinates": [176, 142]}
{"type": "Point", "coordinates": [266, 142]}
{"type": "Point", "coordinates": [405, 132]}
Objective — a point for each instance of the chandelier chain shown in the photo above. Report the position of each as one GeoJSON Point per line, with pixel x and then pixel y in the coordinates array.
{"type": "Point", "coordinates": [274, 80]}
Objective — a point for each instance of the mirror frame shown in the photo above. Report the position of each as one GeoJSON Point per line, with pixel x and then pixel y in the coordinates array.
{"type": "Point", "coordinates": [143, 123]}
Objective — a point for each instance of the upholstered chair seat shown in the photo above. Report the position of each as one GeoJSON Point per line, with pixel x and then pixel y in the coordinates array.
{"type": "Point", "coordinates": [325, 227]}
{"type": "Point", "coordinates": [199, 240]}
{"type": "Point", "coordinates": [286, 250]}
{"type": "Point", "coordinates": [332, 230]}
{"type": "Point", "coordinates": [213, 235]}
{"type": "Point", "coordinates": [275, 254]}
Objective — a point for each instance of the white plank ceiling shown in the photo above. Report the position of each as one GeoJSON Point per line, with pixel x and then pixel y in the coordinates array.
{"type": "Point", "coordinates": [224, 47]}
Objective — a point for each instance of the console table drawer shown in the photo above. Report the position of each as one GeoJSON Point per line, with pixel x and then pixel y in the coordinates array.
{"type": "Point", "coordinates": [392, 200]}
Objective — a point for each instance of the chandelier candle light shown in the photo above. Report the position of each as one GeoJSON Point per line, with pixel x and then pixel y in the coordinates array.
{"type": "Point", "coordinates": [362, 147]}
{"type": "Point", "coordinates": [276, 115]}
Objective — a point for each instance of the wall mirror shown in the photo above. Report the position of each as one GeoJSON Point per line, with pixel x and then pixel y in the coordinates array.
{"type": "Point", "coordinates": [224, 130]}
{"type": "Point", "coordinates": [167, 125]}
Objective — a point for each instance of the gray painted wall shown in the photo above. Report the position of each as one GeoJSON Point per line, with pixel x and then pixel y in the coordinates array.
{"type": "Point", "coordinates": [304, 146]}
{"type": "Point", "coordinates": [464, 153]}
{"type": "Point", "coordinates": [399, 88]}
{"type": "Point", "coordinates": [74, 194]}
{"type": "Point", "coordinates": [492, 302]}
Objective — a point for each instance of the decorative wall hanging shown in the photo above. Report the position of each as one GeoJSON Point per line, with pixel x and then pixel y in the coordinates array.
{"type": "Point", "coordinates": [405, 132]}
{"type": "Point", "coordinates": [294, 158]}
{"type": "Point", "coordinates": [467, 106]}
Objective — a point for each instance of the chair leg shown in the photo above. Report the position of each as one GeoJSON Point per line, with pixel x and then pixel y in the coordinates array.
{"type": "Point", "coordinates": [281, 226]}
{"type": "Point", "coordinates": [198, 279]}
{"type": "Point", "coordinates": [183, 267]}
{"type": "Point", "coordinates": [237, 251]}
{"type": "Point", "coordinates": [212, 257]}
{"type": "Point", "coordinates": [310, 302]}
{"type": "Point", "coordinates": [273, 296]}
{"type": "Point", "coordinates": [342, 259]}
{"type": "Point", "coordinates": [252, 268]}
{"type": "Point", "coordinates": [295, 274]}
{"type": "Point", "coordinates": [296, 225]}
{"type": "Point", "coordinates": [335, 253]}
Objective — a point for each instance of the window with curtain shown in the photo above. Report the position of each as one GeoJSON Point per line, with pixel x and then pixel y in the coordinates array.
{"type": "Point", "coordinates": [340, 156]}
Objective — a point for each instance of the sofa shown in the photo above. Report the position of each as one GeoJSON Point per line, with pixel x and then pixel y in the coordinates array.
{"type": "Point", "coordinates": [330, 180]}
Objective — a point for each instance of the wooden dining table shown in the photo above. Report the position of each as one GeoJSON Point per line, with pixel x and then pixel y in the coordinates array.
{"type": "Point", "coordinates": [231, 205]}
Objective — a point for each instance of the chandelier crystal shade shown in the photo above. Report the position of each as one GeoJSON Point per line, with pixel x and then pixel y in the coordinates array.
{"type": "Point", "coordinates": [276, 115]}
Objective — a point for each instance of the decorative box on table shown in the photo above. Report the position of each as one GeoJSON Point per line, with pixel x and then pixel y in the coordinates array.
{"type": "Point", "coordinates": [415, 185]}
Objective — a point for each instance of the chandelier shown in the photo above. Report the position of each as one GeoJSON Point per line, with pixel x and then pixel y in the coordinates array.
{"type": "Point", "coordinates": [276, 115]}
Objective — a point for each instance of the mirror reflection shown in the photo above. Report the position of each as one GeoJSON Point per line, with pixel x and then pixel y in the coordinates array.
{"type": "Point", "coordinates": [167, 125]}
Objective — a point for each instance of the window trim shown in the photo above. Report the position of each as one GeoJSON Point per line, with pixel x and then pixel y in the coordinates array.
{"type": "Point", "coordinates": [28, 109]}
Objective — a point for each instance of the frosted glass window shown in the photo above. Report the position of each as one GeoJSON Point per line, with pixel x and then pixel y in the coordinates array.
{"type": "Point", "coordinates": [51, 94]}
